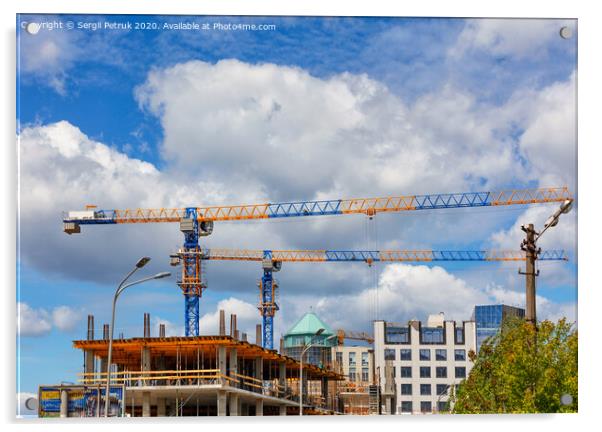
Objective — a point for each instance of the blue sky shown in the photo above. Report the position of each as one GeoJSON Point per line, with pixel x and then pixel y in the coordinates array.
{"type": "Point", "coordinates": [454, 89]}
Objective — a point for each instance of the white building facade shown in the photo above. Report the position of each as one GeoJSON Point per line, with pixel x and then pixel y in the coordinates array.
{"type": "Point", "coordinates": [422, 362]}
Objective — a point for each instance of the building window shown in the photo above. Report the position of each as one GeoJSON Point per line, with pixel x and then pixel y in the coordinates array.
{"type": "Point", "coordinates": [441, 372]}
{"type": "Point", "coordinates": [405, 372]}
{"type": "Point", "coordinates": [460, 372]}
{"type": "Point", "coordinates": [425, 389]}
{"type": "Point", "coordinates": [389, 354]}
{"type": "Point", "coordinates": [425, 406]}
{"type": "Point", "coordinates": [406, 389]}
{"type": "Point", "coordinates": [352, 359]}
{"type": "Point", "coordinates": [425, 354]}
{"type": "Point", "coordinates": [365, 374]}
{"type": "Point", "coordinates": [460, 355]}
{"type": "Point", "coordinates": [352, 374]}
{"type": "Point", "coordinates": [432, 335]}
{"type": "Point", "coordinates": [406, 406]}
{"type": "Point", "coordinates": [440, 355]}
{"type": "Point", "coordinates": [459, 335]}
{"type": "Point", "coordinates": [397, 335]}
{"type": "Point", "coordinates": [425, 372]}
{"type": "Point", "coordinates": [405, 354]}
{"type": "Point", "coordinates": [442, 389]}
{"type": "Point", "coordinates": [442, 406]}
{"type": "Point", "coordinates": [364, 359]}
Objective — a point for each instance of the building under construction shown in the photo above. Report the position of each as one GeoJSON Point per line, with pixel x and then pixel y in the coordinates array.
{"type": "Point", "coordinates": [199, 375]}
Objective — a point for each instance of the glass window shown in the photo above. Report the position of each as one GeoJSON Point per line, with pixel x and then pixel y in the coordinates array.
{"type": "Point", "coordinates": [425, 372]}
{"type": "Point", "coordinates": [459, 336]}
{"type": "Point", "coordinates": [460, 372]}
{"type": "Point", "coordinates": [442, 389]}
{"type": "Point", "coordinates": [432, 335]}
{"type": "Point", "coordinates": [460, 355]}
{"type": "Point", "coordinates": [364, 359]}
{"type": "Point", "coordinates": [425, 389]}
{"type": "Point", "coordinates": [441, 372]}
{"type": "Point", "coordinates": [440, 355]}
{"type": "Point", "coordinates": [339, 357]}
{"type": "Point", "coordinates": [389, 354]}
{"type": "Point", "coordinates": [405, 354]}
{"type": "Point", "coordinates": [352, 359]}
{"type": "Point", "coordinates": [352, 374]}
{"type": "Point", "coordinates": [442, 406]}
{"type": "Point", "coordinates": [406, 389]}
{"type": "Point", "coordinates": [365, 376]}
{"type": "Point", "coordinates": [425, 354]}
{"type": "Point", "coordinates": [425, 406]}
{"type": "Point", "coordinates": [406, 406]}
{"type": "Point", "coordinates": [397, 335]}
{"type": "Point", "coordinates": [405, 372]}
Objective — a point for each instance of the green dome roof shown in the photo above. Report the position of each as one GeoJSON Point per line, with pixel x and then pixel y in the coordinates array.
{"type": "Point", "coordinates": [309, 324]}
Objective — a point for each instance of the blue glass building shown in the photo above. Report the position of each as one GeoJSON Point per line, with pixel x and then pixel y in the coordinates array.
{"type": "Point", "coordinates": [489, 318]}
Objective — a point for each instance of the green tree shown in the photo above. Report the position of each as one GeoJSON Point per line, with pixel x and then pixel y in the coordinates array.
{"type": "Point", "coordinates": [521, 370]}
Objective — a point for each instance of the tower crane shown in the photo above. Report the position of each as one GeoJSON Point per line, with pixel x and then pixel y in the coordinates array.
{"type": "Point", "coordinates": [196, 222]}
{"type": "Point", "coordinates": [271, 261]}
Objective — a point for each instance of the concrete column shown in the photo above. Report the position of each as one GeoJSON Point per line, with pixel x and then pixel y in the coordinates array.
{"type": "Point", "coordinates": [161, 408]}
{"type": "Point", "coordinates": [282, 410]}
{"type": "Point", "coordinates": [64, 409]}
{"type": "Point", "coordinates": [221, 402]}
{"type": "Point", "coordinates": [233, 364]}
{"type": "Point", "coordinates": [259, 368]}
{"type": "Point", "coordinates": [89, 362]}
{"type": "Point", "coordinates": [234, 405]}
{"type": "Point", "coordinates": [259, 407]}
{"type": "Point", "coordinates": [146, 408]}
{"type": "Point", "coordinates": [145, 364]}
{"type": "Point", "coordinates": [282, 378]}
{"type": "Point", "coordinates": [146, 359]}
{"type": "Point", "coordinates": [221, 360]}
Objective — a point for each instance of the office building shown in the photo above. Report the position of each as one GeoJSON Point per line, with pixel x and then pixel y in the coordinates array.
{"type": "Point", "coordinates": [416, 364]}
{"type": "Point", "coordinates": [488, 319]}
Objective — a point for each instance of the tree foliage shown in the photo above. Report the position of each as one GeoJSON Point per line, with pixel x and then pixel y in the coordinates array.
{"type": "Point", "coordinates": [521, 370]}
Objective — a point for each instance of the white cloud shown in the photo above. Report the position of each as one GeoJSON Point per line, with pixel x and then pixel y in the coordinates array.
{"type": "Point", "coordinates": [39, 322]}
{"type": "Point", "coordinates": [247, 316]}
{"type": "Point", "coordinates": [171, 329]}
{"type": "Point", "coordinates": [508, 37]}
{"type": "Point", "coordinates": [32, 322]}
{"type": "Point", "coordinates": [66, 318]}
{"type": "Point", "coordinates": [413, 292]}
{"type": "Point", "coordinates": [293, 135]}
{"type": "Point", "coordinates": [48, 55]}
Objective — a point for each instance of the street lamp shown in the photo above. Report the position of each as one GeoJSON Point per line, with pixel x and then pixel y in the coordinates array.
{"type": "Point", "coordinates": [305, 348]}
{"type": "Point", "coordinates": [529, 245]}
{"type": "Point", "coordinates": [120, 288]}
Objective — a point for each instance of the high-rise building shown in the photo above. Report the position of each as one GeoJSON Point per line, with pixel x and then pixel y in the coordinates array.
{"type": "Point", "coordinates": [416, 364]}
{"type": "Point", "coordinates": [489, 318]}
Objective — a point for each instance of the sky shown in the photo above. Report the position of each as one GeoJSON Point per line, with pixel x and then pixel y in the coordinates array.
{"type": "Point", "coordinates": [313, 108]}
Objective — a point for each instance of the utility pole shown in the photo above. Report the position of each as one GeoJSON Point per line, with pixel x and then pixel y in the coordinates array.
{"type": "Point", "coordinates": [530, 247]}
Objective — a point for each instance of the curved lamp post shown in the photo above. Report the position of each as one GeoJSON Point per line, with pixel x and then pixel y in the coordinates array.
{"type": "Point", "coordinates": [529, 245]}
{"type": "Point", "coordinates": [120, 288]}
{"type": "Point", "coordinates": [305, 348]}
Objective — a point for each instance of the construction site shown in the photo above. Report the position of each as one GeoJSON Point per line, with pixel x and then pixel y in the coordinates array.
{"type": "Point", "coordinates": [227, 375]}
